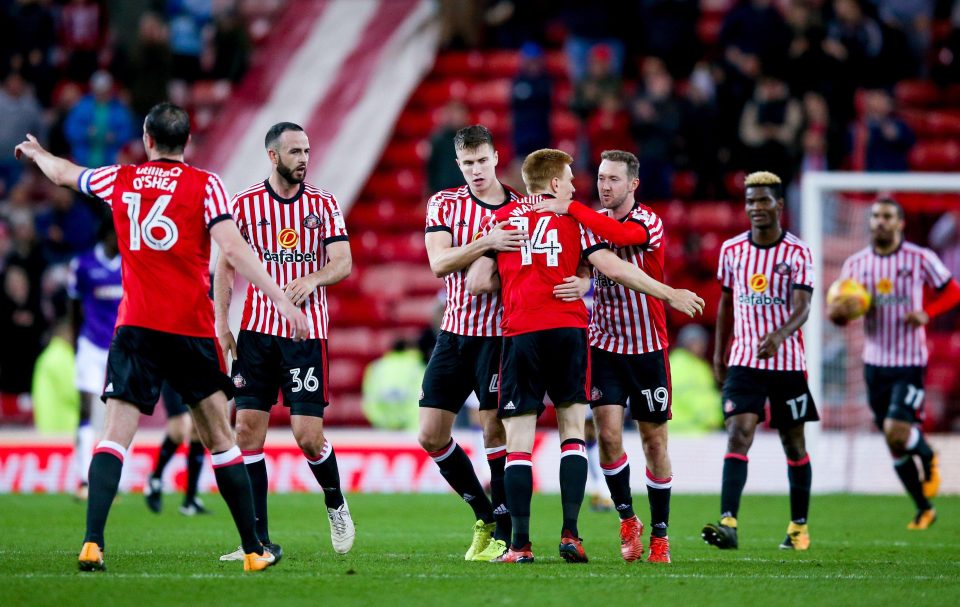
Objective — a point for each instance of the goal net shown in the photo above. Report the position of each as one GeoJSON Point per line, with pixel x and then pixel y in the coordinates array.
{"type": "Point", "coordinates": [835, 223]}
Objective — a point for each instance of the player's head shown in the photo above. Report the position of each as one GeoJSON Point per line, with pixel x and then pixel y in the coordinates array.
{"type": "Point", "coordinates": [476, 157]}
{"type": "Point", "coordinates": [166, 130]}
{"type": "Point", "coordinates": [548, 172]}
{"type": "Point", "coordinates": [289, 150]}
{"type": "Point", "coordinates": [617, 178]}
{"type": "Point", "coordinates": [764, 199]}
{"type": "Point", "coordinates": [886, 222]}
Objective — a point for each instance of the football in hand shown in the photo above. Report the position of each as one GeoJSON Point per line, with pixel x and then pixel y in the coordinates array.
{"type": "Point", "coordinates": [851, 295]}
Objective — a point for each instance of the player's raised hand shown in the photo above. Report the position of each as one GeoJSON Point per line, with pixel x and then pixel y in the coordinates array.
{"type": "Point", "coordinates": [687, 302]}
{"type": "Point", "coordinates": [916, 318]}
{"type": "Point", "coordinates": [769, 344]}
{"type": "Point", "coordinates": [228, 345]}
{"type": "Point", "coordinates": [504, 237]}
{"type": "Point", "coordinates": [28, 149]}
{"type": "Point", "coordinates": [297, 291]}
{"type": "Point", "coordinates": [296, 318]}
{"type": "Point", "coordinates": [572, 288]}
{"type": "Point", "coordinates": [552, 205]}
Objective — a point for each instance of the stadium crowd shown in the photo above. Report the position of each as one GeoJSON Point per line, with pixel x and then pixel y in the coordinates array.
{"type": "Point", "coordinates": [802, 84]}
{"type": "Point", "coordinates": [81, 75]}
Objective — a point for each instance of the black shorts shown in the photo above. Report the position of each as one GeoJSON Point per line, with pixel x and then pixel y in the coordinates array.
{"type": "Point", "coordinates": [459, 365]}
{"type": "Point", "coordinates": [267, 365]}
{"type": "Point", "coordinates": [555, 362]}
{"type": "Point", "coordinates": [641, 381]}
{"type": "Point", "coordinates": [791, 403]}
{"type": "Point", "coordinates": [895, 392]}
{"type": "Point", "coordinates": [172, 402]}
{"type": "Point", "coordinates": [140, 360]}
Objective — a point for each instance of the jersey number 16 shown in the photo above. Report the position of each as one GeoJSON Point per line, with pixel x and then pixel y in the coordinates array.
{"type": "Point", "coordinates": [155, 220]}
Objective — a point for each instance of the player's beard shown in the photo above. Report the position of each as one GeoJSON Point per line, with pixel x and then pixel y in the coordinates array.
{"type": "Point", "coordinates": [614, 202]}
{"type": "Point", "coordinates": [288, 173]}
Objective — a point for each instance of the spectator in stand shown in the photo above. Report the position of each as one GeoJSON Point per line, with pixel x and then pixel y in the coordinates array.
{"type": "Point", "coordinates": [29, 40]}
{"type": "Point", "coordinates": [609, 128]}
{"type": "Point", "coordinates": [67, 228]}
{"type": "Point", "coordinates": [22, 322]}
{"type": "Point", "coordinates": [589, 25]}
{"type": "Point", "coordinates": [946, 67]}
{"type": "Point", "coordinates": [809, 66]}
{"type": "Point", "coordinates": [914, 18]}
{"type": "Point", "coordinates": [100, 124]}
{"type": "Point", "coordinates": [231, 47]}
{"type": "Point", "coordinates": [64, 98]}
{"type": "Point", "coordinates": [670, 32]}
{"type": "Point", "coordinates": [822, 144]}
{"type": "Point", "coordinates": [855, 40]}
{"type": "Point", "coordinates": [699, 141]}
{"type": "Point", "coordinates": [20, 113]}
{"type": "Point", "coordinates": [391, 388]}
{"type": "Point", "coordinates": [461, 24]}
{"type": "Point", "coordinates": [81, 37]}
{"type": "Point", "coordinates": [442, 169]}
{"type": "Point", "coordinates": [56, 402]}
{"type": "Point", "coordinates": [770, 126]}
{"type": "Point", "coordinates": [695, 394]}
{"type": "Point", "coordinates": [881, 142]}
{"type": "Point", "coordinates": [752, 31]}
{"type": "Point", "coordinates": [530, 103]}
{"type": "Point", "coordinates": [151, 64]}
{"type": "Point", "coordinates": [189, 22]}
{"type": "Point", "coordinates": [655, 124]}
{"type": "Point", "coordinates": [601, 79]}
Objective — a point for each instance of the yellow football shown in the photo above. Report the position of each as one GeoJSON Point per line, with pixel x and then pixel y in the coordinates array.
{"type": "Point", "coordinates": [850, 289]}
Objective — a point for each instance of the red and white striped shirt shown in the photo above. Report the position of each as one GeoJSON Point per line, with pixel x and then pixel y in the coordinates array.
{"type": "Point", "coordinates": [464, 216]}
{"type": "Point", "coordinates": [895, 283]}
{"type": "Point", "coordinates": [762, 280]}
{"type": "Point", "coordinates": [290, 236]}
{"type": "Point", "coordinates": [625, 321]}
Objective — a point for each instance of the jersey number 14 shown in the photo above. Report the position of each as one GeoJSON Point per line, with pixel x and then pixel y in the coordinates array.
{"type": "Point", "coordinates": [542, 241]}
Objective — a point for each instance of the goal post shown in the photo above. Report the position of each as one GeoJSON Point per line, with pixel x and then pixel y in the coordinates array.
{"type": "Point", "coordinates": [815, 193]}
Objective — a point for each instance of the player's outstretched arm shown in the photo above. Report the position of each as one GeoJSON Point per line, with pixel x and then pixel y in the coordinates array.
{"type": "Point", "coordinates": [339, 265]}
{"type": "Point", "coordinates": [482, 277]}
{"type": "Point", "coordinates": [241, 257]}
{"type": "Point", "coordinates": [722, 335]}
{"type": "Point", "coordinates": [632, 277]}
{"type": "Point", "coordinates": [59, 170]}
{"type": "Point", "coordinates": [800, 310]}
{"type": "Point", "coordinates": [621, 234]}
{"type": "Point", "coordinates": [446, 258]}
{"type": "Point", "coordinates": [223, 281]}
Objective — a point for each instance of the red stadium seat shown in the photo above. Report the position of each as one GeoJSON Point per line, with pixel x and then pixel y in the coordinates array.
{"type": "Point", "coordinates": [416, 311]}
{"type": "Point", "coordinates": [501, 64]}
{"type": "Point", "coordinates": [918, 93]}
{"type": "Point", "coordinates": [346, 375]}
{"type": "Point", "coordinates": [564, 124]}
{"type": "Point", "coordinates": [458, 64]}
{"type": "Point", "coordinates": [935, 156]}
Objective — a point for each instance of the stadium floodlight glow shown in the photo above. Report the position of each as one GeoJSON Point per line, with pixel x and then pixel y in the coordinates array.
{"type": "Point", "coordinates": [815, 188]}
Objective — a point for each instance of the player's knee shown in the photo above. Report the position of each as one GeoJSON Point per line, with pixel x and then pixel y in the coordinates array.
{"type": "Point", "coordinates": [311, 446]}
{"type": "Point", "coordinates": [430, 441]}
{"type": "Point", "coordinates": [493, 434]}
{"type": "Point", "coordinates": [610, 439]}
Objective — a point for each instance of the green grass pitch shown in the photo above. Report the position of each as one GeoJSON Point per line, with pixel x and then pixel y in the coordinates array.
{"type": "Point", "coordinates": [409, 551]}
